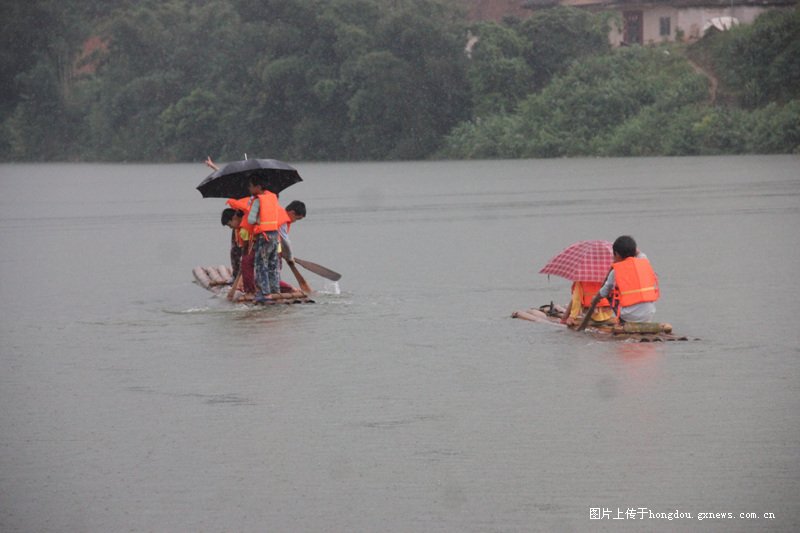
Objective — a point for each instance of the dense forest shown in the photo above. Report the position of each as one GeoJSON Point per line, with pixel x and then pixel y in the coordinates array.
{"type": "Point", "coordinates": [176, 80]}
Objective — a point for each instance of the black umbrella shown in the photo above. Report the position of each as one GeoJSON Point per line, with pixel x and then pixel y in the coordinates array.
{"type": "Point", "coordinates": [233, 180]}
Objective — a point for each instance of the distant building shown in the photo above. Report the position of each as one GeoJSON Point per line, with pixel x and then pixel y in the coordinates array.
{"type": "Point", "coordinates": [642, 22]}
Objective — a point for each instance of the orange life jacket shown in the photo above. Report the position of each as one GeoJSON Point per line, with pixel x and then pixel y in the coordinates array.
{"type": "Point", "coordinates": [242, 204]}
{"type": "Point", "coordinates": [283, 218]}
{"type": "Point", "coordinates": [636, 282]}
{"type": "Point", "coordinates": [245, 228]}
{"type": "Point", "coordinates": [590, 288]}
{"type": "Point", "coordinates": [239, 237]}
{"type": "Point", "coordinates": [267, 213]}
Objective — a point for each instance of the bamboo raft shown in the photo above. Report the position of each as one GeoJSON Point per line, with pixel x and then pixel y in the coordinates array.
{"type": "Point", "coordinates": [217, 279]}
{"type": "Point", "coordinates": [630, 331]}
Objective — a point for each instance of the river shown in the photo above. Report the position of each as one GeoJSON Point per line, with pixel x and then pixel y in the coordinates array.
{"type": "Point", "coordinates": [405, 398]}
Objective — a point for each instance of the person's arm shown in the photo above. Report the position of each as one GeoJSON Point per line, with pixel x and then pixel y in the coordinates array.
{"type": "Point", "coordinates": [605, 290]}
{"type": "Point", "coordinates": [252, 217]}
{"type": "Point", "coordinates": [286, 244]}
{"type": "Point", "coordinates": [210, 163]}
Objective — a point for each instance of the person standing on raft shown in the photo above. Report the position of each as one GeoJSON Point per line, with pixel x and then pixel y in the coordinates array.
{"type": "Point", "coordinates": [245, 235]}
{"type": "Point", "coordinates": [244, 276]}
{"type": "Point", "coordinates": [263, 217]}
{"type": "Point", "coordinates": [631, 282]}
{"type": "Point", "coordinates": [232, 218]}
{"type": "Point", "coordinates": [296, 210]}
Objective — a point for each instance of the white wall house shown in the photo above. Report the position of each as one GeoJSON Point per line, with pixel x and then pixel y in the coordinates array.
{"type": "Point", "coordinates": [640, 22]}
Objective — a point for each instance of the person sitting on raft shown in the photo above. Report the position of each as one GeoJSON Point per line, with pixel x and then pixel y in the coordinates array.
{"type": "Point", "coordinates": [582, 294]}
{"type": "Point", "coordinates": [631, 282]}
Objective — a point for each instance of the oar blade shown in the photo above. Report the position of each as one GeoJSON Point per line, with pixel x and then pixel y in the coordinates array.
{"type": "Point", "coordinates": [319, 270]}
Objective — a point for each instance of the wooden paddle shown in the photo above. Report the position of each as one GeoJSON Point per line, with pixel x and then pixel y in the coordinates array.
{"type": "Point", "coordinates": [319, 270]}
{"type": "Point", "coordinates": [232, 292]}
{"type": "Point", "coordinates": [588, 316]}
{"type": "Point", "coordinates": [305, 287]}
{"type": "Point", "coordinates": [238, 279]}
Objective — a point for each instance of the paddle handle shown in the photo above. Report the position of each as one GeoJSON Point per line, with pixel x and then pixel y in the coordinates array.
{"type": "Point", "coordinates": [304, 286]}
{"type": "Point", "coordinates": [238, 279]}
{"type": "Point", "coordinates": [234, 286]}
{"type": "Point", "coordinates": [588, 316]}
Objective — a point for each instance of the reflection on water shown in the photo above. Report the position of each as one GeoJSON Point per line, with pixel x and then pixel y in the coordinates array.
{"type": "Point", "coordinates": [405, 398]}
{"type": "Point", "coordinates": [641, 364]}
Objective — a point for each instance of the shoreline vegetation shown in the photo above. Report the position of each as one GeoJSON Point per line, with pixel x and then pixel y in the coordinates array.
{"type": "Point", "coordinates": [355, 80]}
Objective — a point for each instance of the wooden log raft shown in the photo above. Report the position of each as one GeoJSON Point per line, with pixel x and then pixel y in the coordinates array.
{"type": "Point", "coordinates": [293, 297]}
{"type": "Point", "coordinates": [213, 278]}
{"type": "Point", "coordinates": [219, 278]}
{"type": "Point", "coordinates": [635, 331]}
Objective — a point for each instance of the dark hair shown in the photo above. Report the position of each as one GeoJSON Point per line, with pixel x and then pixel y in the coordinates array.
{"type": "Point", "coordinates": [257, 181]}
{"type": "Point", "coordinates": [625, 246]}
{"type": "Point", "coordinates": [228, 214]}
{"type": "Point", "coordinates": [298, 207]}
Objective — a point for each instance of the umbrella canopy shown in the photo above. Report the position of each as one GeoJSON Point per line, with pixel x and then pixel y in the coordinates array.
{"type": "Point", "coordinates": [582, 261]}
{"type": "Point", "coordinates": [232, 180]}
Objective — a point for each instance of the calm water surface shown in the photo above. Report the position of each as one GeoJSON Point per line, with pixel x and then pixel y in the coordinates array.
{"type": "Point", "coordinates": [132, 400]}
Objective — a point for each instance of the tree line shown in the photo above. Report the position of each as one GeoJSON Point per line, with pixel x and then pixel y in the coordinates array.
{"type": "Point", "coordinates": [176, 80]}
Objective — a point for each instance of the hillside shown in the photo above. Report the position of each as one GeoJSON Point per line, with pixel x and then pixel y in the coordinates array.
{"type": "Point", "coordinates": [178, 80]}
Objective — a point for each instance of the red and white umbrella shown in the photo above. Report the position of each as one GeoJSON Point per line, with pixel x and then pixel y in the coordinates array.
{"type": "Point", "coordinates": [582, 261]}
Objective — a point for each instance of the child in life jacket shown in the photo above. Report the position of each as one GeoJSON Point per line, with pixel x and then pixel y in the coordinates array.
{"type": "Point", "coordinates": [233, 219]}
{"type": "Point", "coordinates": [582, 294]}
{"type": "Point", "coordinates": [263, 217]}
{"type": "Point", "coordinates": [632, 284]}
{"type": "Point", "coordinates": [296, 210]}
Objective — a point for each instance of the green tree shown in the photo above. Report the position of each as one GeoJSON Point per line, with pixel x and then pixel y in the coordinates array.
{"type": "Point", "coordinates": [39, 50]}
{"type": "Point", "coordinates": [498, 74]}
{"type": "Point", "coordinates": [775, 129]}
{"type": "Point", "coordinates": [161, 54]}
{"type": "Point", "coordinates": [760, 63]}
{"type": "Point", "coordinates": [585, 110]}
{"type": "Point", "coordinates": [191, 126]}
{"type": "Point", "coordinates": [558, 36]}
{"type": "Point", "coordinates": [381, 105]}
